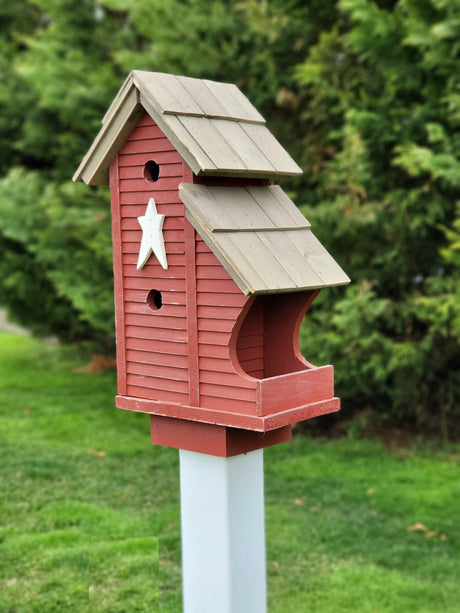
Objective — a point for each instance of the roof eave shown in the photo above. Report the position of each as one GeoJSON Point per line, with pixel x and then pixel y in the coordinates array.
{"type": "Point", "coordinates": [119, 121]}
{"type": "Point", "coordinates": [133, 99]}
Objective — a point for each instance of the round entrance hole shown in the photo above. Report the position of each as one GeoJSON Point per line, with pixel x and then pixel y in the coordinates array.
{"type": "Point", "coordinates": [151, 171]}
{"type": "Point", "coordinates": [154, 300]}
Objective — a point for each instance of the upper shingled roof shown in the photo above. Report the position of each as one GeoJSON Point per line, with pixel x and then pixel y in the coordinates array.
{"type": "Point", "coordinates": [212, 125]}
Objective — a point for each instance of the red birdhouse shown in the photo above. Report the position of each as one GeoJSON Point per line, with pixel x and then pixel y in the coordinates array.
{"type": "Point", "coordinates": [214, 267]}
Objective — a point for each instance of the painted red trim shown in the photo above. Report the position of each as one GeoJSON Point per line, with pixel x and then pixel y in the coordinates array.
{"type": "Point", "coordinates": [211, 439]}
{"type": "Point", "coordinates": [223, 418]}
{"type": "Point", "coordinates": [294, 389]}
{"type": "Point", "coordinates": [118, 276]}
{"type": "Point", "coordinates": [190, 290]}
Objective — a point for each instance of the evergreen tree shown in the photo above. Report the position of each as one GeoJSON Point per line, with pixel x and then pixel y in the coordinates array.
{"type": "Point", "coordinates": [383, 86]}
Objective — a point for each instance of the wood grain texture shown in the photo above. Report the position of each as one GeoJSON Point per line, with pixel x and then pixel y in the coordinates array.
{"type": "Point", "coordinates": [210, 104]}
{"type": "Point", "coordinates": [215, 128]}
{"type": "Point", "coordinates": [241, 226]}
{"type": "Point", "coordinates": [192, 327]}
{"type": "Point", "coordinates": [120, 120]}
{"type": "Point", "coordinates": [118, 278]}
{"type": "Point", "coordinates": [250, 342]}
{"type": "Point", "coordinates": [212, 439]}
{"type": "Point", "coordinates": [272, 149]}
{"type": "Point", "coordinates": [211, 352]}
{"type": "Point", "coordinates": [166, 92]}
{"type": "Point", "coordinates": [295, 389]}
{"type": "Point", "coordinates": [220, 416]}
{"type": "Point", "coordinates": [155, 341]}
{"type": "Point", "coordinates": [221, 386]}
{"type": "Point", "coordinates": [187, 96]}
{"type": "Point", "coordinates": [236, 104]}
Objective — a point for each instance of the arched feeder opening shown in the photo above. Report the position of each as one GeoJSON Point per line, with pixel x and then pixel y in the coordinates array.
{"type": "Point", "coordinates": [267, 339]}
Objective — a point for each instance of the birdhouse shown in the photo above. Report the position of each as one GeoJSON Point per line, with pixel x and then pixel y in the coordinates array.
{"type": "Point", "coordinates": [214, 267]}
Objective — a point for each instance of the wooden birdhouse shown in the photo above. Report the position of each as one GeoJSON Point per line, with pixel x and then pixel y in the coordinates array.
{"type": "Point", "coordinates": [214, 267]}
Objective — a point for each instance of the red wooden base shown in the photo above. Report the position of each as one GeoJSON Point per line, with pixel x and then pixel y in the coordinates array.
{"type": "Point", "coordinates": [259, 423]}
{"type": "Point", "coordinates": [212, 439]}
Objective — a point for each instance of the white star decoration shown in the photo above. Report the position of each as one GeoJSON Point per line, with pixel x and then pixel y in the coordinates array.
{"type": "Point", "coordinates": [152, 236]}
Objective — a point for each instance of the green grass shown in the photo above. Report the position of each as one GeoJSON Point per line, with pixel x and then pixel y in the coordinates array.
{"type": "Point", "coordinates": [89, 515]}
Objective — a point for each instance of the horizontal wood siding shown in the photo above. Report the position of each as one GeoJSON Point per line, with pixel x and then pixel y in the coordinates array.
{"type": "Point", "coordinates": [250, 343]}
{"type": "Point", "coordinates": [219, 303]}
{"type": "Point", "coordinates": [155, 341]}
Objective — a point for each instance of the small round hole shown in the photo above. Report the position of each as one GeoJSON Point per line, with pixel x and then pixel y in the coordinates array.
{"type": "Point", "coordinates": [154, 300]}
{"type": "Point", "coordinates": [151, 171]}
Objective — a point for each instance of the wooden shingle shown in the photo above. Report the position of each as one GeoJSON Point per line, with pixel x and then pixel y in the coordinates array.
{"type": "Point", "coordinates": [261, 238]}
{"type": "Point", "coordinates": [212, 125]}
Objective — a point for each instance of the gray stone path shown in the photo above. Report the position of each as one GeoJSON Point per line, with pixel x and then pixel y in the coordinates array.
{"type": "Point", "coordinates": [7, 326]}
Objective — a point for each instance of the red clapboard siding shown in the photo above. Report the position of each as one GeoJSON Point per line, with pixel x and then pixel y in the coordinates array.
{"type": "Point", "coordinates": [167, 310]}
{"type": "Point", "coordinates": [155, 384]}
{"type": "Point", "coordinates": [143, 197]}
{"type": "Point", "coordinates": [228, 405]}
{"type": "Point", "coordinates": [134, 236]}
{"type": "Point", "coordinates": [130, 259]}
{"type": "Point", "coordinates": [169, 297]}
{"type": "Point", "coordinates": [217, 286]}
{"type": "Point", "coordinates": [136, 171]}
{"type": "Point", "coordinates": [227, 392]}
{"type": "Point", "coordinates": [146, 120]}
{"type": "Point", "coordinates": [213, 300]}
{"type": "Point", "coordinates": [156, 358]}
{"type": "Point", "coordinates": [208, 259]}
{"type": "Point", "coordinates": [250, 342]}
{"type": "Point", "coordinates": [155, 320]}
{"type": "Point", "coordinates": [216, 325]}
{"type": "Point", "coordinates": [225, 380]}
{"type": "Point", "coordinates": [141, 185]}
{"type": "Point", "coordinates": [213, 351]}
{"type": "Point", "coordinates": [168, 285]}
{"type": "Point", "coordinates": [173, 238]}
{"type": "Point", "coordinates": [150, 273]}
{"type": "Point", "coordinates": [228, 399]}
{"type": "Point", "coordinates": [174, 259]}
{"type": "Point", "coordinates": [148, 282]}
{"type": "Point", "coordinates": [211, 272]}
{"type": "Point", "coordinates": [215, 364]}
{"type": "Point", "coordinates": [145, 146]}
{"type": "Point", "coordinates": [155, 341]}
{"type": "Point", "coordinates": [154, 347]}
{"type": "Point", "coordinates": [171, 373]}
{"type": "Point", "coordinates": [155, 394]}
{"type": "Point", "coordinates": [255, 368]}
{"type": "Point", "coordinates": [139, 159]}
{"type": "Point", "coordinates": [173, 232]}
{"type": "Point", "coordinates": [162, 334]}
{"type": "Point", "coordinates": [153, 283]}
{"type": "Point", "coordinates": [174, 212]}
{"type": "Point", "coordinates": [249, 354]}
{"type": "Point", "coordinates": [218, 312]}
{"type": "Point", "coordinates": [146, 131]}
{"type": "Point", "coordinates": [219, 305]}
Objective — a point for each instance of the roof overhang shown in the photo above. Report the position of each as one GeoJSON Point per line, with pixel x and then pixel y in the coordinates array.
{"type": "Point", "coordinates": [212, 125]}
{"type": "Point", "coordinates": [261, 238]}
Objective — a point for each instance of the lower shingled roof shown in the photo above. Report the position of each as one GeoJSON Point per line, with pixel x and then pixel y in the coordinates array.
{"type": "Point", "coordinates": [261, 238]}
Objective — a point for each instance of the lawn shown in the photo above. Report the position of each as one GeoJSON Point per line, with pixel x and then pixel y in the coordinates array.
{"type": "Point", "coordinates": [89, 510]}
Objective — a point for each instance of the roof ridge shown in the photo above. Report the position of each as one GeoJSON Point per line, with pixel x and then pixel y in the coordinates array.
{"type": "Point", "coordinates": [213, 126]}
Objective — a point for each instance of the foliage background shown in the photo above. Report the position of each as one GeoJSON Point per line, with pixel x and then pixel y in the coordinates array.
{"type": "Point", "coordinates": [365, 94]}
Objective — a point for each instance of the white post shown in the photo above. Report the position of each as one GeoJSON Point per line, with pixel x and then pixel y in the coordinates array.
{"type": "Point", "coordinates": [223, 533]}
